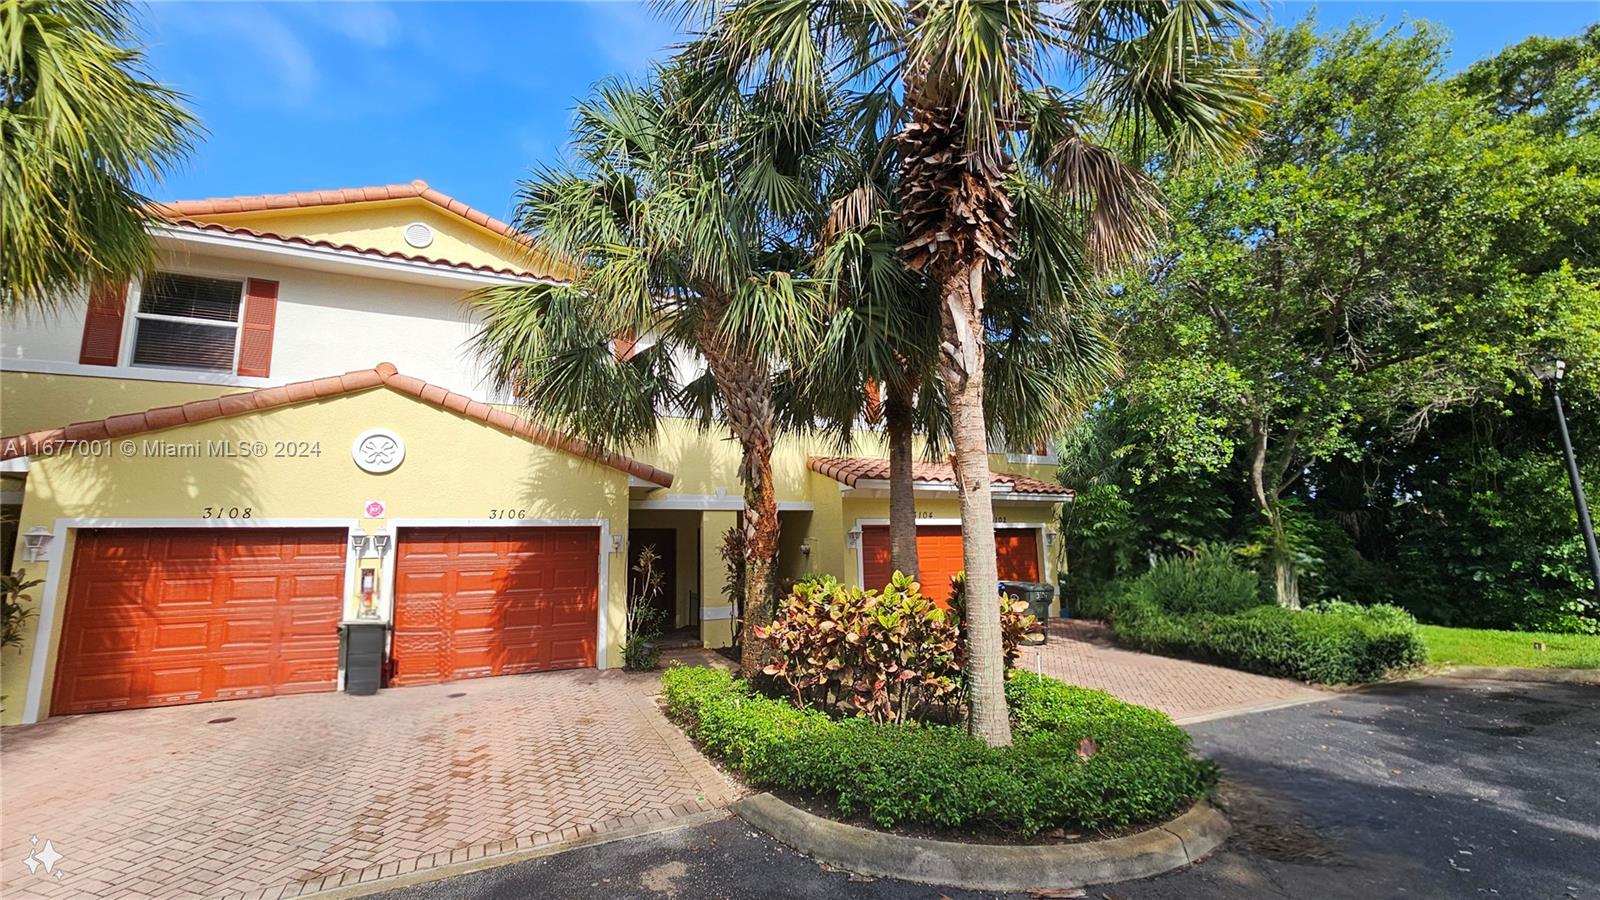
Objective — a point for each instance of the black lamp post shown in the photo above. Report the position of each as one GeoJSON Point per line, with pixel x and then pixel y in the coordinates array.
{"type": "Point", "coordinates": [1551, 372]}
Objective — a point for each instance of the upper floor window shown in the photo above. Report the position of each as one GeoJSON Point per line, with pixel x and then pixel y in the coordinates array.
{"type": "Point", "coordinates": [187, 322]}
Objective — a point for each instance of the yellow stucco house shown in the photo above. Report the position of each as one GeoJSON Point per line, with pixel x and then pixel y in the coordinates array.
{"type": "Point", "coordinates": [283, 428]}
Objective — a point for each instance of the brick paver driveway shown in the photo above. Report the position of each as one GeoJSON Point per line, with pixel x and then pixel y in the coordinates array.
{"type": "Point", "coordinates": [292, 795]}
{"type": "Point", "coordinates": [1081, 652]}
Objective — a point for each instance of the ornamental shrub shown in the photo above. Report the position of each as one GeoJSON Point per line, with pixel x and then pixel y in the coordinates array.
{"type": "Point", "coordinates": [886, 655]}
{"type": "Point", "coordinates": [1016, 623]}
{"type": "Point", "coordinates": [1209, 581]}
{"type": "Point", "coordinates": [1333, 643]}
{"type": "Point", "coordinates": [1081, 759]}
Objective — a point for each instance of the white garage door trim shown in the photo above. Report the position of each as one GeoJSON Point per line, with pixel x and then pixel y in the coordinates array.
{"type": "Point", "coordinates": [602, 590]}
{"type": "Point", "coordinates": [46, 644]}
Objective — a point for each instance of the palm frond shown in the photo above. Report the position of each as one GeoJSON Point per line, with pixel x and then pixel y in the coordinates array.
{"type": "Point", "coordinates": [81, 123]}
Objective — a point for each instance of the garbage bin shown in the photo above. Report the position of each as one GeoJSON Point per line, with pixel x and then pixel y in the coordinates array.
{"type": "Point", "coordinates": [1038, 597]}
{"type": "Point", "coordinates": [362, 648]}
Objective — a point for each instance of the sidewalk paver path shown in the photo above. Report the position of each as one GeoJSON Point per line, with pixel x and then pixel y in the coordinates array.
{"type": "Point", "coordinates": [292, 795]}
{"type": "Point", "coordinates": [1082, 653]}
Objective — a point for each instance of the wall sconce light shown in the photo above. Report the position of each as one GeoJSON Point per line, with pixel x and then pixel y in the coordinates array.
{"type": "Point", "coordinates": [1050, 537]}
{"type": "Point", "coordinates": [36, 544]}
{"type": "Point", "coordinates": [852, 539]}
{"type": "Point", "coordinates": [616, 543]}
{"type": "Point", "coordinates": [805, 549]}
{"type": "Point", "coordinates": [381, 543]}
{"type": "Point", "coordinates": [358, 544]}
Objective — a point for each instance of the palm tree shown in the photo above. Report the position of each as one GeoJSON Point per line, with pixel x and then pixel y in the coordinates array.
{"type": "Point", "coordinates": [80, 125]}
{"type": "Point", "coordinates": [974, 79]}
{"type": "Point", "coordinates": [1048, 350]}
{"type": "Point", "coordinates": [689, 232]}
{"type": "Point", "coordinates": [872, 364]}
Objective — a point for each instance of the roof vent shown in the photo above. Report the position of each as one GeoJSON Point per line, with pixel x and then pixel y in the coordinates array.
{"type": "Point", "coordinates": [419, 235]}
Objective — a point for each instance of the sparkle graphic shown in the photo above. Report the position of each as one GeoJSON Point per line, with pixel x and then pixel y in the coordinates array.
{"type": "Point", "coordinates": [44, 858]}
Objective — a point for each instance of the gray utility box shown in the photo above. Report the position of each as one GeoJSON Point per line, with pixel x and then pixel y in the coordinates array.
{"type": "Point", "coordinates": [1038, 597]}
{"type": "Point", "coordinates": [362, 648]}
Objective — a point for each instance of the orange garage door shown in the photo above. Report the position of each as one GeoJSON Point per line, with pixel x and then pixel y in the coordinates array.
{"type": "Point", "coordinates": [939, 555]}
{"type": "Point", "coordinates": [471, 602]}
{"type": "Point", "coordinates": [157, 617]}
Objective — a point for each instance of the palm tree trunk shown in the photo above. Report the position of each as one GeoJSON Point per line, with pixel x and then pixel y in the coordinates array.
{"type": "Point", "coordinates": [761, 552]}
{"type": "Point", "coordinates": [961, 369]}
{"type": "Point", "coordinates": [745, 390]}
{"type": "Point", "coordinates": [902, 488]}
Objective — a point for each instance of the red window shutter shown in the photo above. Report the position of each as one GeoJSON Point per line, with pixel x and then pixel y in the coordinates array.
{"type": "Point", "coordinates": [102, 326]}
{"type": "Point", "coordinates": [260, 315]}
{"type": "Point", "coordinates": [625, 346]}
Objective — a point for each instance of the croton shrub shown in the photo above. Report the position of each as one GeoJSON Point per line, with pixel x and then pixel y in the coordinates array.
{"type": "Point", "coordinates": [888, 655]}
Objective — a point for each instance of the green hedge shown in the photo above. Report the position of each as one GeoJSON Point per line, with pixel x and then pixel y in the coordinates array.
{"type": "Point", "coordinates": [1334, 643]}
{"type": "Point", "coordinates": [935, 776]}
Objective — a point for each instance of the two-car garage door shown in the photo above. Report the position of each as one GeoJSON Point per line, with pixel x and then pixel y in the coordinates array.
{"type": "Point", "coordinates": [158, 617]}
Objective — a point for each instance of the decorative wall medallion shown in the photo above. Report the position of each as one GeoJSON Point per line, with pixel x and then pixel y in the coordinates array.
{"type": "Point", "coordinates": [378, 450]}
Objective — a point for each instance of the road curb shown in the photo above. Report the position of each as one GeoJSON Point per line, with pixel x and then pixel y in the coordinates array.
{"type": "Point", "coordinates": [455, 870]}
{"type": "Point", "coordinates": [1512, 673]}
{"type": "Point", "coordinates": [989, 867]}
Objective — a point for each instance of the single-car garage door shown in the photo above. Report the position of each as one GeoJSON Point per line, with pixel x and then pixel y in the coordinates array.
{"type": "Point", "coordinates": [157, 617]}
{"type": "Point", "coordinates": [939, 556]}
{"type": "Point", "coordinates": [472, 602]}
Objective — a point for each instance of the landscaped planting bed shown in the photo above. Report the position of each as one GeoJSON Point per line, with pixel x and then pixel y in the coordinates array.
{"type": "Point", "coordinates": [1336, 643]}
{"type": "Point", "coordinates": [1207, 607]}
{"type": "Point", "coordinates": [1081, 759]}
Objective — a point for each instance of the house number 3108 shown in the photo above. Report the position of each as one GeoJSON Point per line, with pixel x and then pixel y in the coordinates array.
{"type": "Point", "coordinates": [225, 512]}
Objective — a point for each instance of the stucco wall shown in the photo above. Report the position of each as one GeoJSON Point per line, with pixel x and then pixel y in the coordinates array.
{"type": "Point", "coordinates": [327, 323]}
{"type": "Point", "coordinates": [455, 469]}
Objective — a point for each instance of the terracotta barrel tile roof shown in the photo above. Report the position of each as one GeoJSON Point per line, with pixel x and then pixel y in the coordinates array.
{"type": "Point", "coordinates": [182, 213]}
{"type": "Point", "coordinates": [234, 230]}
{"type": "Point", "coordinates": [851, 470]}
{"type": "Point", "coordinates": [418, 189]}
{"type": "Point", "coordinates": [384, 375]}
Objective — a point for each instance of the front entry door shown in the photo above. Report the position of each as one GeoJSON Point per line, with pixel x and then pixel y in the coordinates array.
{"type": "Point", "coordinates": [665, 542]}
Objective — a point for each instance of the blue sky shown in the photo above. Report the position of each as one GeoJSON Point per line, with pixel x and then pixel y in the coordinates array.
{"type": "Point", "coordinates": [468, 96]}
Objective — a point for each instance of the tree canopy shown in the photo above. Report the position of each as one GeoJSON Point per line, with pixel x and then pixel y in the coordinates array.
{"type": "Point", "coordinates": [1330, 364]}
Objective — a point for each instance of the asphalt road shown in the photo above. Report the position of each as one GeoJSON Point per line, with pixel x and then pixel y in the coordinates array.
{"type": "Point", "coordinates": [1428, 789]}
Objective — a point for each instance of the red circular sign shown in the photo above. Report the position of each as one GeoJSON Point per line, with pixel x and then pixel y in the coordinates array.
{"type": "Point", "coordinates": [375, 509]}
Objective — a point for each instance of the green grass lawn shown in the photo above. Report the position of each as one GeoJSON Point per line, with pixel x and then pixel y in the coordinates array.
{"type": "Point", "coordinates": [1474, 647]}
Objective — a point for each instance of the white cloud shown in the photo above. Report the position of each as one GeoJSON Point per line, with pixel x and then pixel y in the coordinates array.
{"type": "Point", "coordinates": [262, 55]}
{"type": "Point", "coordinates": [630, 35]}
{"type": "Point", "coordinates": [369, 24]}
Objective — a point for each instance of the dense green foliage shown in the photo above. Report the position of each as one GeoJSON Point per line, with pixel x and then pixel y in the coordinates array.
{"type": "Point", "coordinates": [82, 126]}
{"type": "Point", "coordinates": [1081, 759]}
{"type": "Point", "coordinates": [1330, 366]}
{"type": "Point", "coordinates": [889, 655]}
{"type": "Point", "coordinates": [1482, 647]}
{"type": "Point", "coordinates": [1326, 643]}
{"type": "Point", "coordinates": [1209, 581]}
